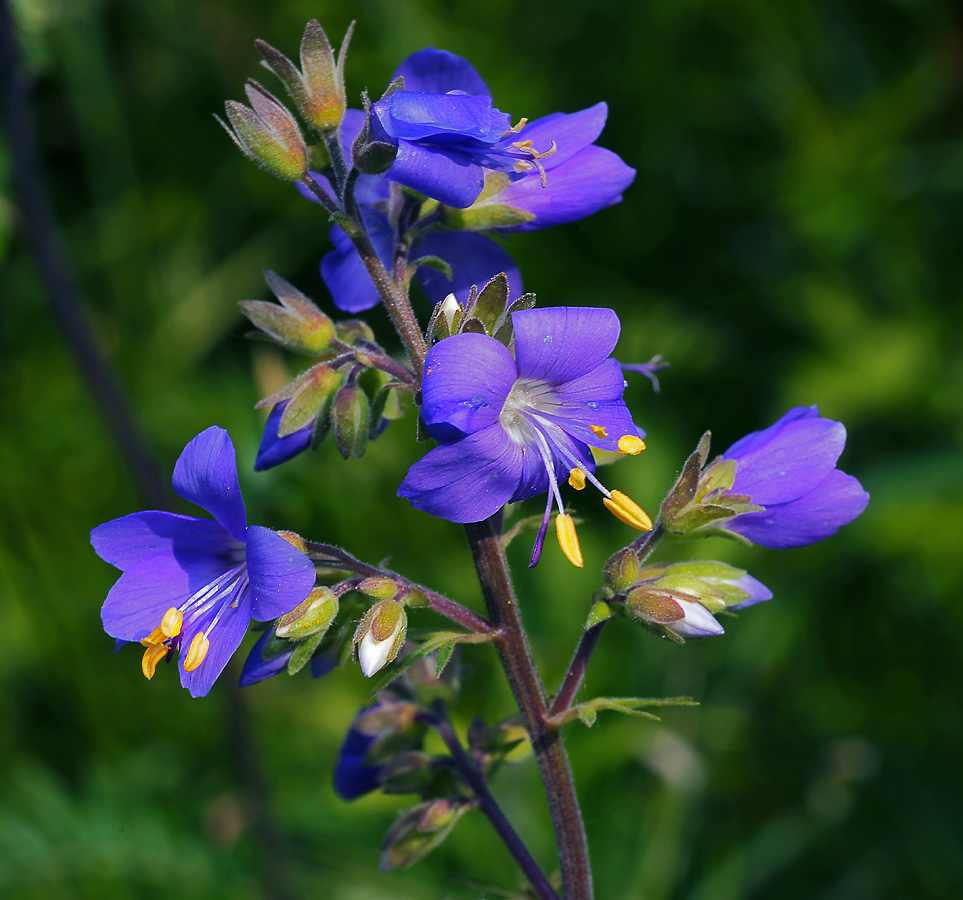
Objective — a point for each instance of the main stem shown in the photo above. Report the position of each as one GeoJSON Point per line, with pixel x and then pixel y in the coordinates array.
{"type": "Point", "coordinates": [516, 655]}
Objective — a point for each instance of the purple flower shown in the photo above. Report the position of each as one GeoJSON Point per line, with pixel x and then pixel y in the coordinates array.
{"type": "Point", "coordinates": [505, 189]}
{"type": "Point", "coordinates": [790, 469]}
{"type": "Point", "coordinates": [513, 427]}
{"type": "Point", "coordinates": [352, 776]}
{"type": "Point", "coordinates": [195, 583]}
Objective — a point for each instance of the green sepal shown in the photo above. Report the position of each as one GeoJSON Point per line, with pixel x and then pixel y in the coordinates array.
{"type": "Point", "coordinates": [303, 651]}
{"type": "Point", "coordinates": [432, 262]}
{"type": "Point", "coordinates": [419, 830]}
{"type": "Point", "coordinates": [491, 302]}
{"type": "Point", "coordinates": [313, 615]}
{"type": "Point", "coordinates": [599, 613]}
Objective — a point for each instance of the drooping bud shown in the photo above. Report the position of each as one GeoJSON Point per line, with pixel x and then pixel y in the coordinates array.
{"type": "Point", "coordinates": [353, 330]}
{"type": "Point", "coordinates": [296, 324]}
{"type": "Point", "coordinates": [417, 831]}
{"type": "Point", "coordinates": [407, 773]}
{"type": "Point", "coordinates": [313, 615]}
{"type": "Point", "coordinates": [267, 134]}
{"type": "Point", "coordinates": [318, 89]}
{"type": "Point", "coordinates": [350, 416]}
{"type": "Point", "coordinates": [677, 616]}
{"type": "Point", "coordinates": [380, 636]}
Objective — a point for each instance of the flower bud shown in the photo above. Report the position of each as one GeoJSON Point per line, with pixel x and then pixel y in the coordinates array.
{"type": "Point", "coordinates": [622, 569]}
{"type": "Point", "coordinates": [296, 324]}
{"type": "Point", "coordinates": [374, 151]}
{"type": "Point", "coordinates": [417, 831]}
{"type": "Point", "coordinates": [318, 89]}
{"type": "Point", "coordinates": [313, 615]}
{"type": "Point", "coordinates": [407, 773]}
{"type": "Point", "coordinates": [267, 134]}
{"type": "Point", "coordinates": [350, 416]}
{"type": "Point", "coordinates": [380, 636]}
{"type": "Point", "coordinates": [670, 613]}
{"type": "Point", "coordinates": [378, 587]}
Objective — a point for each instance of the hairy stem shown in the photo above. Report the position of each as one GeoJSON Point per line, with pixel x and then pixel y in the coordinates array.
{"type": "Point", "coordinates": [475, 780]}
{"type": "Point", "coordinates": [576, 670]}
{"type": "Point", "coordinates": [516, 656]}
{"type": "Point", "coordinates": [460, 615]}
{"type": "Point", "coordinates": [392, 294]}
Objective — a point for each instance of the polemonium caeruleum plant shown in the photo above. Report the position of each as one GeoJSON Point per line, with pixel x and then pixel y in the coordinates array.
{"type": "Point", "coordinates": [521, 401]}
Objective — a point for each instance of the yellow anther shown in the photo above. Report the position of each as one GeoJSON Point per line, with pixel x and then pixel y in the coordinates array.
{"type": "Point", "coordinates": [576, 478]}
{"type": "Point", "coordinates": [602, 433]}
{"type": "Point", "coordinates": [631, 444]}
{"type": "Point", "coordinates": [196, 652]}
{"type": "Point", "coordinates": [627, 510]}
{"type": "Point", "coordinates": [568, 539]}
{"type": "Point", "coordinates": [170, 625]}
{"type": "Point", "coordinates": [154, 638]}
{"type": "Point", "coordinates": [152, 656]}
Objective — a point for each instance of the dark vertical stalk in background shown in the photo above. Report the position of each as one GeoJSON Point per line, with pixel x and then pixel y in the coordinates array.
{"type": "Point", "coordinates": [38, 221]}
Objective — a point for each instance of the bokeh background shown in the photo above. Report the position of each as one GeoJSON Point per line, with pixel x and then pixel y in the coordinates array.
{"type": "Point", "coordinates": [792, 237]}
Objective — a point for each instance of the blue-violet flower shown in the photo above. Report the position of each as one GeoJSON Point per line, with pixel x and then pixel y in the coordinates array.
{"type": "Point", "coordinates": [195, 583]}
{"type": "Point", "coordinates": [790, 469]}
{"type": "Point", "coordinates": [513, 427]}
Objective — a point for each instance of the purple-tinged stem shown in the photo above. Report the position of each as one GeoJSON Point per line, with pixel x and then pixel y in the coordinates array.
{"type": "Point", "coordinates": [475, 780]}
{"type": "Point", "coordinates": [484, 539]}
{"type": "Point", "coordinates": [576, 670]}
{"type": "Point", "coordinates": [460, 615]}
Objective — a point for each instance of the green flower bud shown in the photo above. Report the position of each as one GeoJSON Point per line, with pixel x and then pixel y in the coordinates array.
{"type": "Point", "coordinates": [296, 324]}
{"type": "Point", "coordinates": [313, 615]}
{"type": "Point", "coordinates": [318, 88]}
{"type": "Point", "coordinates": [622, 569]}
{"type": "Point", "coordinates": [267, 134]}
{"type": "Point", "coordinates": [378, 587]}
{"type": "Point", "coordinates": [350, 417]}
{"type": "Point", "coordinates": [417, 831]}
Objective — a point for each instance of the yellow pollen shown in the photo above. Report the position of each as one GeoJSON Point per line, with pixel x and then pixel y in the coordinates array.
{"type": "Point", "coordinates": [170, 625]}
{"type": "Point", "coordinates": [631, 444]}
{"type": "Point", "coordinates": [155, 638]}
{"type": "Point", "coordinates": [568, 539]}
{"type": "Point", "coordinates": [602, 433]}
{"type": "Point", "coordinates": [627, 510]}
{"type": "Point", "coordinates": [196, 652]}
{"type": "Point", "coordinates": [152, 656]}
{"type": "Point", "coordinates": [576, 478]}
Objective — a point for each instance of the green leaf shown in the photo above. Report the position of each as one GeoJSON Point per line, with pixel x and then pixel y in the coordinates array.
{"type": "Point", "coordinates": [588, 712]}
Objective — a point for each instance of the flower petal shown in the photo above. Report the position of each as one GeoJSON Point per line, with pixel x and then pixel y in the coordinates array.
{"type": "Point", "coordinates": [455, 401]}
{"type": "Point", "coordinates": [790, 462]}
{"type": "Point", "coordinates": [140, 597]}
{"type": "Point", "coordinates": [755, 439]}
{"type": "Point", "coordinates": [559, 344]}
{"type": "Point", "coordinates": [474, 259]}
{"type": "Point", "coordinates": [126, 541]}
{"type": "Point", "coordinates": [572, 132]}
{"type": "Point", "coordinates": [257, 668]}
{"type": "Point", "coordinates": [275, 450]}
{"type": "Point", "coordinates": [756, 590]}
{"type": "Point", "coordinates": [835, 501]}
{"type": "Point", "coordinates": [225, 638]}
{"type": "Point", "coordinates": [697, 621]}
{"type": "Point", "coordinates": [206, 474]}
{"type": "Point", "coordinates": [352, 778]}
{"type": "Point", "coordinates": [450, 176]}
{"type": "Point", "coordinates": [415, 116]}
{"type": "Point", "coordinates": [591, 181]}
{"type": "Point", "coordinates": [468, 480]}
{"type": "Point", "coordinates": [345, 274]}
{"type": "Point", "coordinates": [281, 575]}
{"type": "Point", "coordinates": [438, 72]}
{"type": "Point", "coordinates": [594, 400]}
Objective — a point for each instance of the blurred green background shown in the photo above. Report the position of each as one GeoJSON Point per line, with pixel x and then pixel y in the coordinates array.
{"type": "Point", "coordinates": [792, 237]}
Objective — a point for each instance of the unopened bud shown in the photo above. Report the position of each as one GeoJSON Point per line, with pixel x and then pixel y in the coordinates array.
{"type": "Point", "coordinates": [296, 324]}
{"type": "Point", "coordinates": [681, 617]}
{"type": "Point", "coordinates": [622, 569]}
{"type": "Point", "coordinates": [295, 539]}
{"type": "Point", "coordinates": [379, 587]}
{"type": "Point", "coordinates": [315, 614]}
{"type": "Point", "coordinates": [267, 134]}
{"type": "Point", "coordinates": [350, 417]}
{"type": "Point", "coordinates": [380, 636]}
{"type": "Point", "coordinates": [417, 831]}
